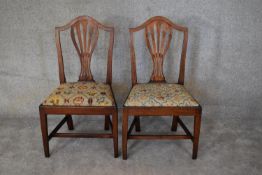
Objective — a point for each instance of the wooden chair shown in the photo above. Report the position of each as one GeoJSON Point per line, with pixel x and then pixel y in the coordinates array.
{"type": "Point", "coordinates": [158, 98]}
{"type": "Point", "coordinates": [85, 97]}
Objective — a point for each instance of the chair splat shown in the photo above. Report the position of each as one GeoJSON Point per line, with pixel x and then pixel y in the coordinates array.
{"type": "Point", "coordinates": [87, 35]}
{"type": "Point", "coordinates": [158, 36]}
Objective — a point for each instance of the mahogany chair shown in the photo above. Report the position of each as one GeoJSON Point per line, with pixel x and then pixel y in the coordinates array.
{"type": "Point", "coordinates": [85, 97]}
{"type": "Point", "coordinates": [159, 98]}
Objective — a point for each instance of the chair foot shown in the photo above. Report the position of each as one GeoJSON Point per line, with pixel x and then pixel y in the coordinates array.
{"type": "Point", "coordinates": [137, 124]}
{"type": "Point", "coordinates": [194, 157]}
{"type": "Point", "coordinates": [47, 155]}
{"type": "Point", "coordinates": [124, 157]}
{"type": "Point", "coordinates": [107, 121]}
{"type": "Point", "coordinates": [174, 123]}
{"type": "Point", "coordinates": [70, 122]}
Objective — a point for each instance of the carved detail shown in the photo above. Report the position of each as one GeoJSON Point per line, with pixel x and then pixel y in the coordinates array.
{"type": "Point", "coordinates": [86, 32]}
{"type": "Point", "coordinates": [158, 35]}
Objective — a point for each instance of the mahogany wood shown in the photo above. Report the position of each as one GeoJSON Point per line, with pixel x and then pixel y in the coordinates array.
{"type": "Point", "coordinates": [158, 32]}
{"type": "Point", "coordinates": [70, 122]}
{"type": "Point", "coordinates": [60, 124]}
{"type": "Point", "coordinates": [158, 35]}
{"type": "Point", "coordinates": [183, 126]}
{"type": "Point", "coordinates": [44, 129]}
{"type": "Point", "coordinates": [107, 122]}
{"type": "Point", "coordinates": [83, 135]}
{"type": "Point", "coordinates": [174, 123]}
{"type": "Point", "coordinates": [84, 31]}
{"type": "Point", "coordinates": [137, 123]}
{"type": "Point", "coordinates": [131, 127]}
{"type": "Point", "coordinates": [86, 47]}
{"type": "Point", "coordinates": [159, 137]}
{"type": "Point", "coordinates": [197, 124]}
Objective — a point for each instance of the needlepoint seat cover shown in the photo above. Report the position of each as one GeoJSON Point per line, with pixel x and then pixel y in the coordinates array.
{"type": "Point", "coordinates": [160, 94]}
{"type": "Point", "coordinates": [81, 94]}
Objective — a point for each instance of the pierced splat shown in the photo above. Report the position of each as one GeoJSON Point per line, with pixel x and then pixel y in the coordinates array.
{"type": "Point", "coordinates": [158, 36]}
{"type": "Point", "coordinates": [84, 35]}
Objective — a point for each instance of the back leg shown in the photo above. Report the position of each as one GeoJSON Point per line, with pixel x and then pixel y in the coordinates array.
{"type": "Point", "coordinates": [107, 121]}
{"type": "Point", "coordinates": [70, 122]}
{"type": "Point", "coordinates": [174, 123]}
{"type": "Point", "coordinates": [137, 124]}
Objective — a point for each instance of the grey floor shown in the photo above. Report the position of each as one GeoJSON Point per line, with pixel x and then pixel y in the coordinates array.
{"type": "Point", "coordinates": [227, 146]}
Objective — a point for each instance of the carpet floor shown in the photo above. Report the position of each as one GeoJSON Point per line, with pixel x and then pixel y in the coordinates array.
{"type": "Point", "coordinates": [227, 146]}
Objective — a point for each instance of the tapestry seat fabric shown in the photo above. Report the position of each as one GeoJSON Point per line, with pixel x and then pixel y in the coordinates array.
{"type": "Point", "coordinates": [81, 94]}
{"type": "Point", "coordinates": [160, 94]}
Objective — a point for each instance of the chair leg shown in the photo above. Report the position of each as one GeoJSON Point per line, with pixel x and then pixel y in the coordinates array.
{"type": "Point", "coordinates": [197, 124]}
{"type": "Point", "coordinates": [137, 124]}
{"type": "Point", "coordinates": [70, 122]}
{"type": "Point", "coordinates": [124, 134]}
{"type": "Point", "coordinates": [115, 133]}
{"type": "Point", "coordinates": [107, 120]}
{"type": "Point", "coordinates": [44, 129]}
{"type": "Point", "coordinates": [174, 123]}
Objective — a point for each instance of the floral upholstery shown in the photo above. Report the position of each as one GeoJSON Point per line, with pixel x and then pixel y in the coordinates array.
{"type": "Point", "coordinates": [160, 94]}
{"type": "Point", "coordinates": [81, 94]}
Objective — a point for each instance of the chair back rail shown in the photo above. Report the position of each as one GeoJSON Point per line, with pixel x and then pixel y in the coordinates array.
{"type": "Point", "coordinates": [158, 33]}
{"type": "Point", "coordinates": [84, 32]}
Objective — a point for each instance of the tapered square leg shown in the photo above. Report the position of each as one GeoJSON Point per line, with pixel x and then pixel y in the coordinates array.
{"type": "Point", "coordinates": [124, 134]}
{"type": "Point", "coordinates": [107, 121]}
{"type": "Point", "coordinates": [174, 123]}
{"type": "Point", "coordinates": [70, 122]}
{"type": "Point", "coordinates": [137, 124]}
{"type": "Point", "coordinates": [197, 125]}
{"type": "Point", "coordinates": [115, 133]}
{"type": "Point", "coordinates": [44, 129]}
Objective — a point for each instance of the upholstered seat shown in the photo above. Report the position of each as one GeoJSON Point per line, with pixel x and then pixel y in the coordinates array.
{"type": "Point", "coordinates": [158, 98]}
{"type": "Point", "coordinates": [160, 94]}
{"type": "Point", "coordinates": [81, 94]}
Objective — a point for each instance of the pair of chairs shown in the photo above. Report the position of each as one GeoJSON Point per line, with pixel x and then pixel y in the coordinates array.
{"type": "Point", "coordinates": [87, 97]}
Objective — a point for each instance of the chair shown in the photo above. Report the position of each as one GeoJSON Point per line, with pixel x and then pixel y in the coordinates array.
{"type": "Point", "coordinates": [85, 97]}
{"type": "Point", "coordinates": [158, 98]}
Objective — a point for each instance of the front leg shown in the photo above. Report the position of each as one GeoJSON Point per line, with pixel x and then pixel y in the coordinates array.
{"type": "Point", "coordinates": [115, 133]}
{"type": "Point", "coordinates": [197, 124]}
{"type": "Point", "coordinates": [124, 133]}
{"type": "Point", "coordinates": [44, 129]}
